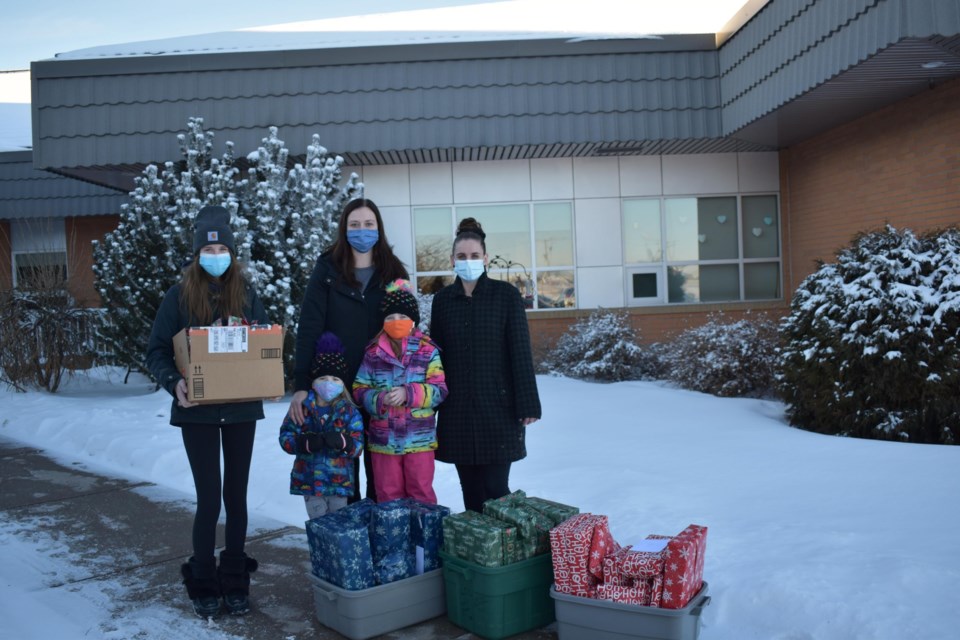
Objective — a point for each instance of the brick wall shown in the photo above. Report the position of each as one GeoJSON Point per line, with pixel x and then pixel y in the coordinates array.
{"type": "Point", "coordinates": [655, 324]}
{"type": "Point", "coordinates": [900, 165]}
{"type": "Point", "coordinates": [80, 232]}
{"type": "Point", "coordinates": [6, 257]}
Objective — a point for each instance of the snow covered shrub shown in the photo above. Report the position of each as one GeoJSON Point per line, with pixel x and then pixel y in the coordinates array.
{"type": "Point", "coordinates": [42, 334]}
{"type": "Point", "coordinates": [602, 346]}
{"type": "Point", "coordinates": [870, 345]}
{"type": "Point", "coordinates": [283, 217]}
{"type": "Point", "coordinates": [726, 359]}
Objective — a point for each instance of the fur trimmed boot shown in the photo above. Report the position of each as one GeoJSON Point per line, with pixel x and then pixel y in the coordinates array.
{"type": "Point", "coordinates": [234, 576]}
{"type": "Point", "coordinates": [203, 589]}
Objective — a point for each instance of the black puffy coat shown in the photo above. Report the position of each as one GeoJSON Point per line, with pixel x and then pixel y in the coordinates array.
{"type": "Point", "coordinates": [330, 304]}
{"type": "Point", "coordinates": [485, 347]}
{"type": "Point", "coordinates": [171, 318]}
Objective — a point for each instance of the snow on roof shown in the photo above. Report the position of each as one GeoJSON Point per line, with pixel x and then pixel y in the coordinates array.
{"type": "Point", "coordinates": [489, 22]}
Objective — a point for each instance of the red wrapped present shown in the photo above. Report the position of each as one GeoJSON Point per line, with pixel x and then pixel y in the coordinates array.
{"type": "Point", "coordinates": [579, 546]}
{"type": "Point", "coordinates": [628, 595]}
{"type": "Point", "coordinates": [655, 591]}
{"type": "Point", "coordinates": [683, 566]}
{"type": "Point", "coordinates": [570, 546]}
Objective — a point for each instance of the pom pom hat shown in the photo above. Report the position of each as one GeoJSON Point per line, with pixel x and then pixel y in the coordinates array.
{"type": "Point", "coordinates": [329, 359]}
{"type": "Point", "coordinates": [213, 227]}
{"type": "Point", "coordinates": [399, 298]}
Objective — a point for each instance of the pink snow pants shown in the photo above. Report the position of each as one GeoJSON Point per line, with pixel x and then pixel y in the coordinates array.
{"type": "Point", "coordinates": [405, 476]}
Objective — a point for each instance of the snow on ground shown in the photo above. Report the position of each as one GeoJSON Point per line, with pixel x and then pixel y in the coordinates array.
{"type": "Point", "coordinates": [811, 537]}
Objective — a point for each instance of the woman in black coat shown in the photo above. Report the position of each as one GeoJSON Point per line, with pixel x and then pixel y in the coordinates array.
{"type": "Point", "coordinates": [343, 297]}
{"type": "Point", "coordinates": [213, 291]}
{"type": "Point", "coordinates": [481, 328]}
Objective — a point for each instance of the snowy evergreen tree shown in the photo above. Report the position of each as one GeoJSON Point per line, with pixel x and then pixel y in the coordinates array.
{"type": "Point", "coordinates": [281, 220]}
{"type": "Point", "coordinates": [293, 216]}
{"type": "Point", "coordinates": [870, 346]}
{"type": "Point", "coordinates": [602, 346]}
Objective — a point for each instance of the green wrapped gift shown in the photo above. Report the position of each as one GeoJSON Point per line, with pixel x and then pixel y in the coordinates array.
{"type": "Point", "coordinates": [534, 527]}
{"type": "Point", "coordinates": [556, 511]}
{"type": "Point", "coordinates": [479, 539]}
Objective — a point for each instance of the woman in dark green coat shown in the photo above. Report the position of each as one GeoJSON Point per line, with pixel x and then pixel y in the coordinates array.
{"type": "Point", "coordinates": [213, 291]}
{"type": "Point", "coordinates": [481, 328]}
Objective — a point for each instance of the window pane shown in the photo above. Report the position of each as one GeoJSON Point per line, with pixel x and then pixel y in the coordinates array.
{"type": "Point", "coordinates": [433, 228]}
{"type": "Point", "coordinates": [555, 290]}
{"type": "Point", "coordinates": [708, 283]}
{"type": "Point", "coordinates": [41, 269]}
{"type": "Point", "coordinates": [508, 232]}
{"type": "Point", "coordinates": [681, 228]}
{"type": "Point", "coordinates": [761, 281]}
{"type": "Point", "coordinates": [717, 228]}
{"type": "Point", "coordinates": [760, 228]}
{"type": "Point", "coordinates": [641, 231]}
{"type": "Point", "coordinates": [701, 228]}
{"type": "Point", "coordinates": [553, 227]}
{"type": "Point", "coordinates": [432, 284]}
{"type": "Point", "coordinates": [644, 285]}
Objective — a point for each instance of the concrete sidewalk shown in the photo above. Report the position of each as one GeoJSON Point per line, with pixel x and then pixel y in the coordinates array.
{"type": "Point", "coordinates": [138, 534]}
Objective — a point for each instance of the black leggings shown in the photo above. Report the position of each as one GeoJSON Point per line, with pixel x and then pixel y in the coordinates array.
{"type": "Point", "coordinates": [202, 442]}
{"type": "Point", "coordinates": [482, 482]}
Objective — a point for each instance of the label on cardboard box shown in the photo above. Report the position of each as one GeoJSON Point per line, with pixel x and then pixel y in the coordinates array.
{"type": "Point", "coordinates": [227, 340]}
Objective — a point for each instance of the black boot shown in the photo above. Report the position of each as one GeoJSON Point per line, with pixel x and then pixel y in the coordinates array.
{"type": "Point", "coordinates": [234, 574]}
{"type": "Point", "coordinates": [203, 589]}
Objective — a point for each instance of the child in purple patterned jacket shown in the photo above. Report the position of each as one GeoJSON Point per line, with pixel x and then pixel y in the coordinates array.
{"type": "Point", "coordinates": [330, 437]}
{"type": "Point", "coordinates": [400, 383]}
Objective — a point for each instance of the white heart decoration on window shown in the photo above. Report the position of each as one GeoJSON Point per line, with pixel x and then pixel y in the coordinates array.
{"type": "Point", "coordinates": [757, 231]}
{"type": "Point", "coordinates": [721, 219]}
{"type": "Point", "coordinates": [702, 238]}
{"type": "Point", "coordinates": [767, 220]}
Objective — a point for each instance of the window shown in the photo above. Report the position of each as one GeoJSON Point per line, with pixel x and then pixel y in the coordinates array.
{"type": "Point", "coordinates": [701, 249]}
{"type": "Point", "coordinates": [530, 245]}
{"type": "Point", "coordinates": [38, 252]}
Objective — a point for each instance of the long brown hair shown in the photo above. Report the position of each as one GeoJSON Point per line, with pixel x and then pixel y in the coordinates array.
{"type": "Point", "coordinates": [228, 295]}
{"type": "Point", "coordinates": [387, 265]}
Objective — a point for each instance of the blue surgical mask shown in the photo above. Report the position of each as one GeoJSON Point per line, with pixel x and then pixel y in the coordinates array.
{"type": "Point", "coordinates": [362, 239]}
{"type": "Point", "coordinates": [328, 389]}
{"type": "Point", "coordinates": [468, 270]}
{"type": "Point", "coordinates": [216, 264]}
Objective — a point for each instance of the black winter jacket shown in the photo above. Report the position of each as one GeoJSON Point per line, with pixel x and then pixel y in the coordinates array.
{"type": "Point", "coordinates": [171, 318]}
{"type": "Point", "coordinates": [330, 304]}
{"type": "Point", "coordinates": [485, 347]}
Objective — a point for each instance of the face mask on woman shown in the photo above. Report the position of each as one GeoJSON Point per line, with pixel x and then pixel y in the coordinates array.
{"type": "Point", "coordinates": [328, 389]}
{"type": "Point", "coordinates": [362, 239]}
{"type": "Point", "coordinates": [468, 270]}
{"type": "Point", "coordinates": [216, 264]}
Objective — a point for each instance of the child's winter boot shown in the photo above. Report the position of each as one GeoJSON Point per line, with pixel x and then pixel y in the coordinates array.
{"type": "Point", "coordinates": [203, 588]}
{"type": "Point", "coordinates": [234, 574]}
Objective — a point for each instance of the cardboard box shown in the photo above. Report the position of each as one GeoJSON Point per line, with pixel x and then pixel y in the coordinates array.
{"type": "Point", "coordinates": [230, 364]}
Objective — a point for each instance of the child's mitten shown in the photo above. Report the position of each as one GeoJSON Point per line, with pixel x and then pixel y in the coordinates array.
{"type": "Point", "coordinates": [310, 443]}
{"type": "Point", "coordinates": [333, 440]}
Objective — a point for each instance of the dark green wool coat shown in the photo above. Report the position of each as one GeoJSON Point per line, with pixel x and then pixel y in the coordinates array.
{"type": "Point", "coordinates": [330, 304]}
{"type": "Point", "coordinates": [171, 318]}
{"type": "Point", "coordinates": [485, 347]}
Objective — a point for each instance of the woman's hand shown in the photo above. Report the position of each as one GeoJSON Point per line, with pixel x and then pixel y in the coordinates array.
{"type": "Point", "coordinates": [528, 421]}
{"type": "Point", "coordinates": [182, 395]}
{"type": "Point", "coordinates": [296, 407]}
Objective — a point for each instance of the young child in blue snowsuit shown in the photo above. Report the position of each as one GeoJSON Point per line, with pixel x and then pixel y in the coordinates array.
{"type": "Point", "coordinates": [330, 437]}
